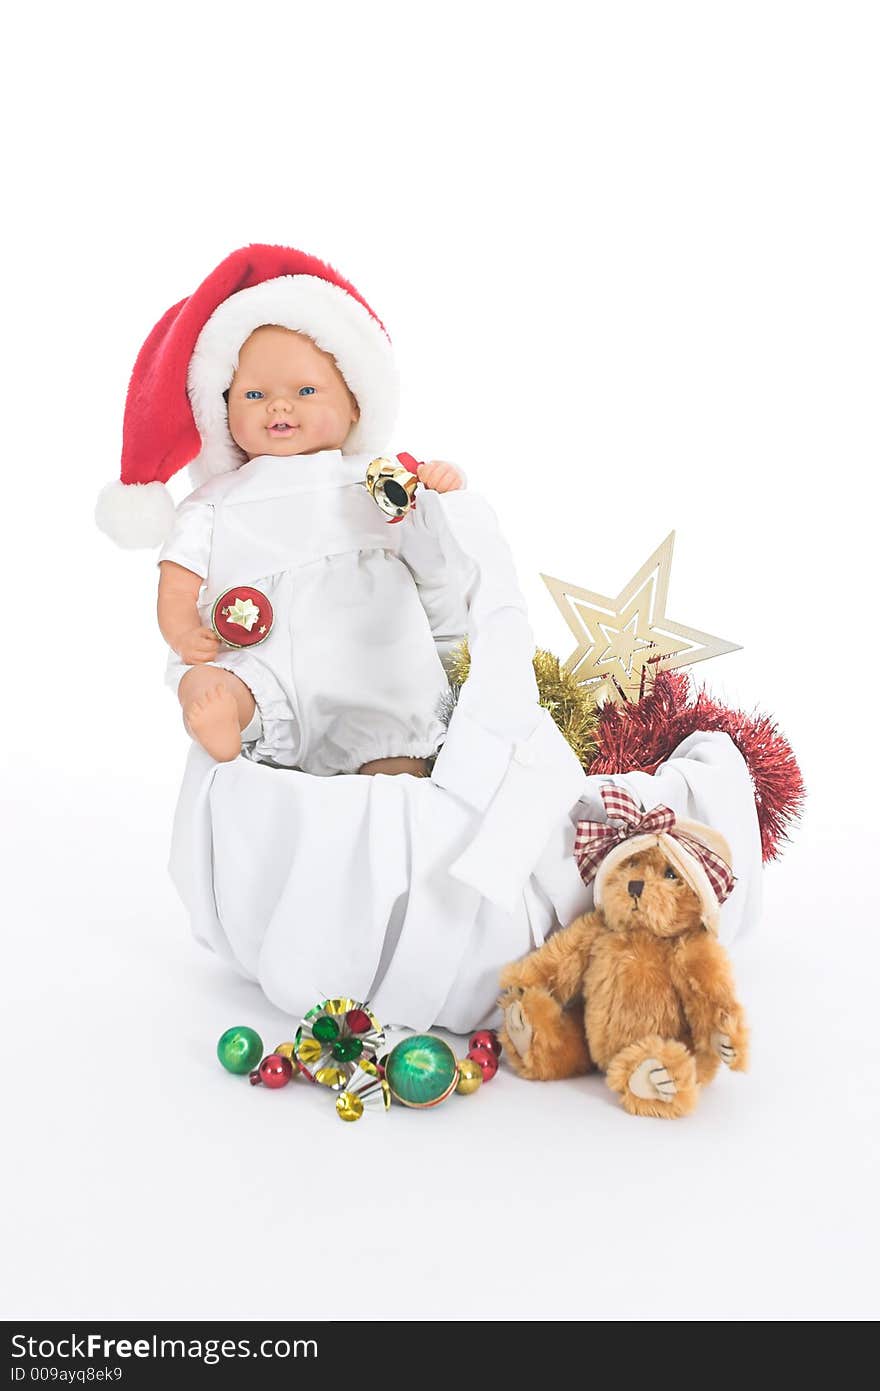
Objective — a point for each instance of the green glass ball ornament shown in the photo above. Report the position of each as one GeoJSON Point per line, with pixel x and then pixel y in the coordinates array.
{"type": "Point", "coordinates": [421, 1071]}
{"type": "Point", "coordinates": [240, 1049]}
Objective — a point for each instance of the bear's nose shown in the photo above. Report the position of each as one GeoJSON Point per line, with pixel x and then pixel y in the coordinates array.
{"type": "Point", "coordinates": [635, 887]}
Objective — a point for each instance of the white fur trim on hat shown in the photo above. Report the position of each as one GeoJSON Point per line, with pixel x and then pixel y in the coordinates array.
{"type": "Point", "coordinates": [681, 859]}
{"type": "Point", "coordinates": [135, 515]}
{"type": "Point", "coordinates": [334, 320]}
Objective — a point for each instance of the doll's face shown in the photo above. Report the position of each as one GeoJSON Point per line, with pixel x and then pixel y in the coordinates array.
{"type": "Point", "coordinates": [283, 379]}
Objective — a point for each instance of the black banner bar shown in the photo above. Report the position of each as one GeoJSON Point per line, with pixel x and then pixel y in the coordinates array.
{"type": "Point", "coordinates": [339, 1352]}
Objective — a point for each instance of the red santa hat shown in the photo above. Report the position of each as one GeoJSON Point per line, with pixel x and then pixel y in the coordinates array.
{"type": "Point", "coordinates": [175, 412]}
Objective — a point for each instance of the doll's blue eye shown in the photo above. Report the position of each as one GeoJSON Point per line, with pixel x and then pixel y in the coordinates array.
{"type": "Point", "coordinates": [254, 395]}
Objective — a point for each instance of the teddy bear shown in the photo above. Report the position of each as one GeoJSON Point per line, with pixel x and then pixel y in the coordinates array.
{"type": "Point", "coordinates": [640, 987]}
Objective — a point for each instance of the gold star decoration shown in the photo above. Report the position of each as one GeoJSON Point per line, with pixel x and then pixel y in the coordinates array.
{"type": "Point", "coordinates": [622, 641]}
{"type": "Point", "coordinates": [243, 612]}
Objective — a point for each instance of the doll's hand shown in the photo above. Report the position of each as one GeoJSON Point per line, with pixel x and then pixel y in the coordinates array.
{"type": "Point", "coordinates": [197, 645]}
{"type": "Point", "coordinates": [440, 477]}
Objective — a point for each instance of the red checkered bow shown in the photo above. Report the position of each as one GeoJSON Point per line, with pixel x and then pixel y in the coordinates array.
{"type": "Point", "coordinates": [594, 839]}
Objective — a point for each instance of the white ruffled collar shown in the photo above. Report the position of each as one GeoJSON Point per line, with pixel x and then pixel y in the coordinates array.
{"type": "Point", "coordinates": [328, 468]}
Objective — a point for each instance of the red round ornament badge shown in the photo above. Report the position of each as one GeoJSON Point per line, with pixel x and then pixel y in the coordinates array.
{"type": "Point", "coordinates": [242, 617]}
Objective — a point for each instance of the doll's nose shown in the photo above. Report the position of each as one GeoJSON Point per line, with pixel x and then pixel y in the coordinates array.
{"type": "Point", "coordinates": [635, 887]}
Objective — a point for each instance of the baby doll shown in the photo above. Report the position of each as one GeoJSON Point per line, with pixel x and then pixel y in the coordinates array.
{"type": "Point", "coordinates": [378, 650]}
{"type": "Point", "coordinates": [289, 378]}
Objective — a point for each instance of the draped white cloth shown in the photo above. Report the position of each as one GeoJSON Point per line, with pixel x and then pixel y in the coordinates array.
{"type": "Point", "coordinates": [413, 893]}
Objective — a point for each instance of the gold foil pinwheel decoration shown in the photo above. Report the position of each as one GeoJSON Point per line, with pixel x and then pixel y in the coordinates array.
{"type": "Point", "coordinates": [623, 640]}
{"type": "Point", "coordinates": [334, 1038]}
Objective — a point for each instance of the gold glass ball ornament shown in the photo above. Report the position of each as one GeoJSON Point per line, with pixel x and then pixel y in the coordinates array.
{"type": "Point", "coordinates": [392, 486]}
{"type": "Point", "coordinates": [288, 1051]}
{"type": "Point", "coordinates": [470, 1076]}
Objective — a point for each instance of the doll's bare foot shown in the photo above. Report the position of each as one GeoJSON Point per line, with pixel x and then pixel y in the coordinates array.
{"type": "Point", "coordinates": [416, 767]}
{"type": "Point", "coordinates": [212, 720]}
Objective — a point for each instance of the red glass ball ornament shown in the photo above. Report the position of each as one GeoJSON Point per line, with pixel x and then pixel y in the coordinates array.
{"type": "Point", "coordinates": [486, 1060]}
{"type": "Point", "coordinates": [486, 1038]}
{"type": "Point", "coordinates": [275, 1071]}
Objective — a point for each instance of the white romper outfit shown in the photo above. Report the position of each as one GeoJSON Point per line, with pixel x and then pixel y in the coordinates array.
{"type": "Point", "coordinates": [350, 671]}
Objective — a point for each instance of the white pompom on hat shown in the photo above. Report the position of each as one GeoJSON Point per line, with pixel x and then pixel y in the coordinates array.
{"type": "Point", "coordinates": [175, 412]}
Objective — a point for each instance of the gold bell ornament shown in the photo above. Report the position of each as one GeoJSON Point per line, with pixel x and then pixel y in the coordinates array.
{"type": "Point", "coordinates": [392, 483]}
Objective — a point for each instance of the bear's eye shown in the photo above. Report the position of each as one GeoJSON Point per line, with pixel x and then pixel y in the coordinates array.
{"type": "Point", "coordinates": [670, 872]}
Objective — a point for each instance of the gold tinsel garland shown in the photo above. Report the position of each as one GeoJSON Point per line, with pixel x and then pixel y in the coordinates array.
{"type": "Point", "coordinates": [572, 706]}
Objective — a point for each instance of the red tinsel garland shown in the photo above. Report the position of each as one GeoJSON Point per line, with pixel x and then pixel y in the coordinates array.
{"type": "Point", "coordinates": [642, 734]}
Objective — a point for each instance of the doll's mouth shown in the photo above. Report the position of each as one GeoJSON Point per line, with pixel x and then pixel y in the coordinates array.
{"type": "Point", "coordinates": [282, 428]}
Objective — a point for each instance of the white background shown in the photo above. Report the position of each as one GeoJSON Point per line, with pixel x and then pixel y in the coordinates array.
{"type": "Point", "coordinates": [628, 258]}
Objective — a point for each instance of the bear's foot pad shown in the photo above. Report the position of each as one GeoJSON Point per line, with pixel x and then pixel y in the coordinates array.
{"type": "Point", "coordinates": [651, 1081]}
{"type": "Point", "coordinates": [519, 1028]}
